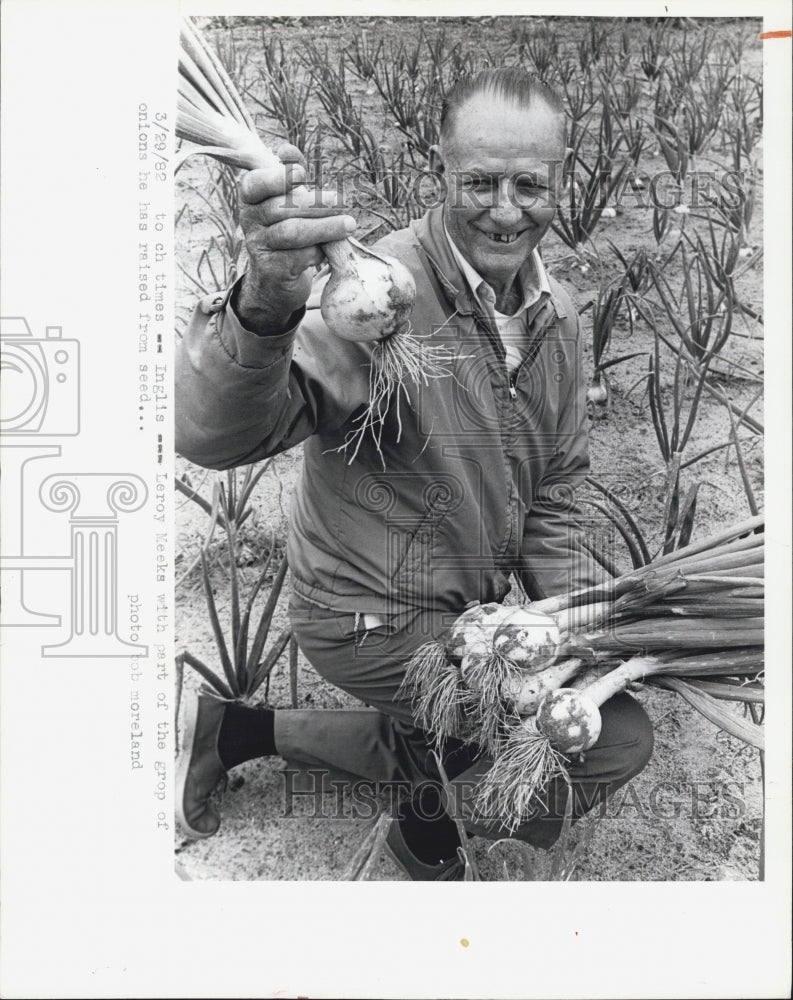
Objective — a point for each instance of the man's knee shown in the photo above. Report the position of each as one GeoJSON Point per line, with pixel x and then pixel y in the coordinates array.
{"type": "Point", "coordinates": [625, 744]}
{"type": "Point", "coordinates": [644, 741]}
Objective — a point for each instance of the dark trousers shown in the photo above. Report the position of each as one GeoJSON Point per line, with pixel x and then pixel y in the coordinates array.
{"type": "Point", "coordinates": [381, 743]}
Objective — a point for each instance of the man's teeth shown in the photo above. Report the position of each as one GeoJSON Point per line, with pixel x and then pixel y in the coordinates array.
{"type": "Point", "coordinates": [503, 237]}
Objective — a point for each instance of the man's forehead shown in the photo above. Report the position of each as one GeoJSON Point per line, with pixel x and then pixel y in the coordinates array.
{"type": "Point", "coordinates": [487, 103]}
{"type": "Point", "coordinates": [484, 121]}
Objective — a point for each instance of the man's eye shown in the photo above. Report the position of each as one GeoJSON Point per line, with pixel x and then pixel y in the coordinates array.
{"type": "Point", "coordinates": [480, 184]}
{"type": "Point", "coordinates": [533, 192]}
{"type": "Point", "coordinates": [531, 187]}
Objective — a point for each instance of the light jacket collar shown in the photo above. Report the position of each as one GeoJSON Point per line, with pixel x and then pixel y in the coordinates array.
{"type": "Point", "coordinates": [532, 277]}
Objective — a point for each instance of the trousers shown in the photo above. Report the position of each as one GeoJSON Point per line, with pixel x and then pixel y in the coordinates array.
{"type": "Point", "coordinates": [381, 742]}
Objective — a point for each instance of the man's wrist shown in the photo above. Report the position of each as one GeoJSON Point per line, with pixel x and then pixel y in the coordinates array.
{"type": "Point", "coordinates": [259, 315]}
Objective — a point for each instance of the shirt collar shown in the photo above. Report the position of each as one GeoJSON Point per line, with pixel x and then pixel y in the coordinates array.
{"type": "Point", "coordinates": [532, 269]}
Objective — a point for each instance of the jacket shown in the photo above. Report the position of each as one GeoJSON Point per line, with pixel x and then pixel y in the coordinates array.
{"type": "Point", "coordinates": [480, 466]}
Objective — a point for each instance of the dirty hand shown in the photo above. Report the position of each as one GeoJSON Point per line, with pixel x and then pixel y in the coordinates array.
{"type": "Point", "coordinates": [284, 226]}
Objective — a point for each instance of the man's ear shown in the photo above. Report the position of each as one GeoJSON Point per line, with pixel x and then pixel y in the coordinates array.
{"type": "Point", "coordinates": [436, 160]}
{"type": "Point", "coordinates": [438, 172]}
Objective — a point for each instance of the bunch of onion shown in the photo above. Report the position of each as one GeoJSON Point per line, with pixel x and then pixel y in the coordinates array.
{"type": "Point", "coordinates": [492, 665]}
{"type": "Point", "coordinates": [495, 664]}
{"type": "Point", "coordinates": [690, 617]}
{"type": "Point", "coordinates": [705, 599]}
{"type": "Point", "coordinates": [368, 297]}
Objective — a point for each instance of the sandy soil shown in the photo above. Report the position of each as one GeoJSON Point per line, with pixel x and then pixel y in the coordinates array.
{"type": "Point", "coordinates": [695, 813]}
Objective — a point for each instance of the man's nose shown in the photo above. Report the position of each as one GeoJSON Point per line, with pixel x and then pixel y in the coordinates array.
{"type": "Point", "coordinates": [506, 212]}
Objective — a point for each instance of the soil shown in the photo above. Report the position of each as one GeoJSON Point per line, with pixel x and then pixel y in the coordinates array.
{"type": "Point", "coordinates": [695, 813]}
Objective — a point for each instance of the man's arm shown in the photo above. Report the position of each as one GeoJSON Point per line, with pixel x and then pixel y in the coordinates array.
{"type": "Point", "coordinates": [241, 397]}
{"type": "Point", "coordinates": [554, 553]}
{"type": "Point", "coordinates": [242, 393]}
{"type": "Point", "coordinates": [232, 392]}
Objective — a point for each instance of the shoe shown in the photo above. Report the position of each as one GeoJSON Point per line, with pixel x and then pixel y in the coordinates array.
{"type": "Point", "coordinates": [199, 769]}
{"type": "Point", "coordinates": [450, 870]}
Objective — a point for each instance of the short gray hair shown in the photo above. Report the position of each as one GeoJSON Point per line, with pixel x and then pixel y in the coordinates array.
{"type": "Point", "coordinates": [507, 83]}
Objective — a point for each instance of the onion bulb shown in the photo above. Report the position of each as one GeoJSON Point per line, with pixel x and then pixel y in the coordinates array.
{"type": "Point", "coordinates": [570, 720]}
{"type": "Point", "coordinates": [369, 296]}
{"type": "Point", "coordinates": [474, 628]}
{"type": "Point", "coordinates": [527, 637]}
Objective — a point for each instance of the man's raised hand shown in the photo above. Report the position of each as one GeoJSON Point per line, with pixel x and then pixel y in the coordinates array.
{"type": "Point", "coordinates": [285, 226]}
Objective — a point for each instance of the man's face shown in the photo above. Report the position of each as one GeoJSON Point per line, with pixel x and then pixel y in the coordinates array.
{"type": "Point", "coordinates": [502, 164]}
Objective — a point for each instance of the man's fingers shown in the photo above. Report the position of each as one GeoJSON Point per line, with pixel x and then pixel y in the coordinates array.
{"type": "Point", "coordinates": [294, 233]}
{"type": "Point", "coordinates": [314, 257]}
{"type": "Point", "coordinates": [295, 262]}
{"type": "Point", "coordinates": [318, 204]}
{"type": "Point", "coordinates": [288, 153]}
{"type": "Point", "coordinates": [329, 197]}
{"type": "Point", "coordinates": [268, 182]}
{"type": "Point", "coordinates": [270, 213]}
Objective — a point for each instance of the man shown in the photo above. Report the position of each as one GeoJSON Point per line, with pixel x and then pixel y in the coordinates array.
{"type": "Point", "coordinates": [479, 472]}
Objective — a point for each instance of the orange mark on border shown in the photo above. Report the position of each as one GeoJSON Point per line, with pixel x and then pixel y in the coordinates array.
{"type": "Point", "coordinates": [775, 34]}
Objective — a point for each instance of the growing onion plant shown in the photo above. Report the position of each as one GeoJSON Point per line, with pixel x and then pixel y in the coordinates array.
{"type": "Point", "coordinates": [245, 665]}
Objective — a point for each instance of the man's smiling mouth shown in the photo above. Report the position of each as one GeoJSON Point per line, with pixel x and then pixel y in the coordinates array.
{"type": "Point", "coordinates": [503, 237]}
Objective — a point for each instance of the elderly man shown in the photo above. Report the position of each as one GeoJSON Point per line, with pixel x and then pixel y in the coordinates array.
{"type": "Point", "coordinates": [479, 474]}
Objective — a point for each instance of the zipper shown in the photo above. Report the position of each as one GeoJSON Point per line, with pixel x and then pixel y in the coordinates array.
{"type": "Point", "coordinates": [534, 344]}
{"type": "Point", "coordinates": [498, 349]}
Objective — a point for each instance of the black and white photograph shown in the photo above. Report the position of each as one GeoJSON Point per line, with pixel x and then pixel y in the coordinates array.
{"type": "Point", "coordinates": [469, 409]}
{"type": "Point", "coordinates": [395, 439]}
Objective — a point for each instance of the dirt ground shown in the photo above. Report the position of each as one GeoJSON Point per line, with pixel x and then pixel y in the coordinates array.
{"type": "Point", "coordinates": [695, 813]}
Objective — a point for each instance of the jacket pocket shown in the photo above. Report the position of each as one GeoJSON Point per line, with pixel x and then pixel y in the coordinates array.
{"type": "Point", "coordinates": [417, 550]}
{"type": "Point", "coordinates": [412, 556]}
